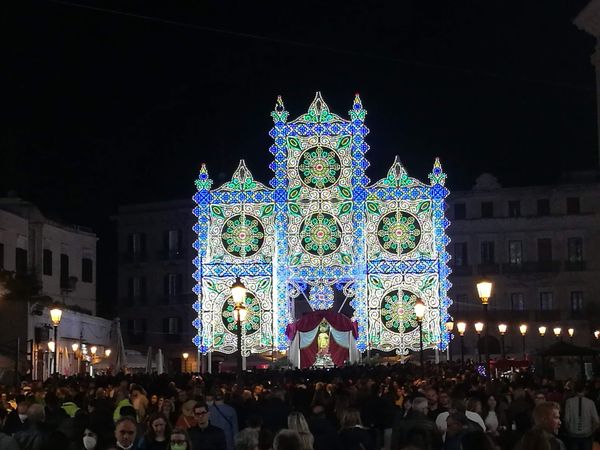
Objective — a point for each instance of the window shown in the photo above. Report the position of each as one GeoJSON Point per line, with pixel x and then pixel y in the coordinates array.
{"type": "Point", "coordinates": [47, 262]}
{"type": "Point", "coordinates": [515, 252]}
{"type": "Point", "coordinates": [136, 289]}
{"type": "Point", "coordinates": [136, 326]}
{"type": "Point", "coordinates": [460, 211]}
{"type": "Point", "coordinates": [173, 284]}
{"type": "Point", "coordinates": [64, 271]}
{"type": "Point", "coordinates": [87, 270]}
{"type": "Point", "coordinates": [21, 260]}
{"type": "Point", "coordinates": [544, 250]}
{"type": "Point", "coordinates": [517, 301]}
{"type": "Point", "coordinates": [1, 255]}
{"type": "Point", "coordinates": [136, 245]}
{"type": "Point", "coordinates": [514, 208]}
{"type": "Point", "coordinates": [575, 249]}
{"type": "Point", "coordinates": [546, 301]}
{"type": "Point", "coordinates": [172, 325]}
{"type": "Point", "coordinates": [487, 252]}
{"type": "Point", "coordinates": [172, 241]}
{"type": "Point", "coordinates": [543, 207]}
{"type": "Point", "coordinates": [461, 301]}
{"type": "Point", "coordinates": [487, 210]}
{"type": "Point", "coordinates": [573, 205]}
{"type": "Point", "coordinates": [460, 254]}
{"type": "Point", "coordinates": [577, 301]}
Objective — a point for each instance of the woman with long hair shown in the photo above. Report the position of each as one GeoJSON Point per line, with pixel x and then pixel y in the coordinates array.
{"type": "Point", "coordinates": [297, 422]}
{"type": "Point", "coordinates": [353, 435]}
{"type": "Point", "coordinates": [158, 434]}
{"type": "Point", "coordinates": [179, 440]}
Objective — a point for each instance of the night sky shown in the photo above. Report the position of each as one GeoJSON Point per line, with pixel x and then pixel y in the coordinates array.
{"type": "Point", "coordinates": [109, 103]}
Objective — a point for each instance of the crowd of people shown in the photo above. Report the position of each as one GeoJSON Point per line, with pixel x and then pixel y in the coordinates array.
{"type": "Point", "coordinates": [349, 408]}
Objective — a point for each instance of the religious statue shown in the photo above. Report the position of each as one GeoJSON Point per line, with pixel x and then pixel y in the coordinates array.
{"type": "Point", "coordinates": [323, 358]}
{"type": "Point", "coordinates": [323, 338]}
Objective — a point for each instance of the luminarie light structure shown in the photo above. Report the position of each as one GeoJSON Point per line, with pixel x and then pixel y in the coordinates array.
{"type": "Point", "coordinates": [321, 231]}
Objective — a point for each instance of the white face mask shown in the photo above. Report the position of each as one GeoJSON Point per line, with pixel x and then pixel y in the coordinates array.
{"type": "Point", "coordinates": [22, 417]}
{"type": "Point", "coordinates": [89, 442]}
{"type": "Point", "coordinates": [125, 448]}
{"type": "Point", "coordinates": [210, 402]}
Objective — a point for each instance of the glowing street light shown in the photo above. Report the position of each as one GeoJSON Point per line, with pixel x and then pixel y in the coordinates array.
{"type": "Point", "coordinates": [523, 330]}
{"type": "Point", "coordinates": [239, 292]}
{"type": "Point", "coordinates": [107, 352]}
{"type": "Point", "coordinates": [75, 347]}
{"type": "Point", "coordinates": [557, 331]}
{"type": "Point", "coordinates": [484, 290]}
{"type": "Point", "coordinates": [542, 329]}
{"type": "Point", "coordinates": [52, 346]}
{"type": "Point", "coordinates": [462, 327]}
{"type": "Point", "coordinates": [502, 327]}
{"type": "Point", "coordinates": [55, 316]}
{"type": "Point", "coordinates": [479, 329]}
{"type": "Point", "coordinates": [420, 313]}
{"type": "Point", "coordinates": [185, 356]}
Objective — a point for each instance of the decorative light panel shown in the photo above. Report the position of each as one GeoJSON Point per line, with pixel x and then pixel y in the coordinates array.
{"type": "Point", "coordinates": [320, 228]}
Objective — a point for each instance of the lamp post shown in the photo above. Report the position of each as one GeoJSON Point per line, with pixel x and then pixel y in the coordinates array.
{"type": "Point", "coordinates": [557, 331]}
{"type": "Point", "coordinates": [420, 313]}
{"type": "Point", "coordinates": [523, 330]}
{"type": "Point", "coordinates": [107, 352]}
{"type": "Point", "coordinates": [449, 329]}
{"type": "Point", "coordinates": [484, 289]}
{"type": "Point", "coordinates": [571, 332]}
{"type": "Point", "coordinates": [55, 316]}
{"type": "Point", "coordinates": [597, 334]}
{"type": "Point", "coordinates": [238, 292]}
{"type": "Point", "coordinates": [478, 329]}
{"type": "Point", "coordinates": [502, 327]}
{"type": "Point", "coordinates": [462, 327]}
{"type": "Point", "coordinates": [75, 347]}
{"type": "Point", "coordinates": [542, 329]}
{"type": "Point", "coordinates": [185, 356]}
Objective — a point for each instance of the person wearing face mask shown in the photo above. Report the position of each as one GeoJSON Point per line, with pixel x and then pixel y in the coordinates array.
{"type": "Point", "coordinates": [179, 440]}
{"type": "Point", "coordinates": [17, 419]}
{"type": "Point", "coordinates": [90, 440]}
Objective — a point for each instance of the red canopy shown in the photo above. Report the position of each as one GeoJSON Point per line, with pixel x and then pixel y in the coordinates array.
{"type": "Point", "coordinates": [311, 320]}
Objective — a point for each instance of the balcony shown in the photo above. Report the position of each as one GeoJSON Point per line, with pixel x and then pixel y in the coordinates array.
{"type": "Point", "coordinates": [136, 338]}
{"type": "Point", "coordinates": [531, 267]}
{"type": "Point", "coordinates": [462, 271]}
{"type": "Point", "coordinates": [488, 269]}
{"type": "Point", "coordinates": [575, 266]}
{"type": "Point", "coordinates": [132, 258]}
{"type": "Point", "coordinates": [552, 315]}
{"type": "Point", "coordinates": [171, 255]}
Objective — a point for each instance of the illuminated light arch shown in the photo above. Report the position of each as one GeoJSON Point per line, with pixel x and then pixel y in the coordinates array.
{"type": "Point", "coordinates": [320, 227]}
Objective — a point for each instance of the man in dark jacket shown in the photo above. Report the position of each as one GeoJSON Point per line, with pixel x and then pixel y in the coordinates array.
{"type": "Point", "coordinates": [205, 436]}
{"type": "Point", "coordinates": [417, 429]}
{"type": "Point", "coordinates": [324, 432]}
{"type": "Point", "coordinates": [35, 437]}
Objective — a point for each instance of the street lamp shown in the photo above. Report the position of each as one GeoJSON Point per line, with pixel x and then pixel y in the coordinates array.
{"type": "Point", "coordinates": [557, 331]}
{"type": "Point", "coordinates": [449, 329]}
{"type": "Point", "coordinates": [107, 352]}
{"type": "Point", "coordinates": [55, 316]}
{"type": "Point", "coordinates": [93, 350]}
{"type": "Point", "coordinates": [238, 292]}
{"type": "Point", "coordinates": [523, 330]}
{"type": "Point", "coordinates": [542, 329]}
{"type": "Point", "coordinates": [185, 355]}
{"type": "Point", "coordinates": [597, 334]}
{"type": "Point", "coordinates": [51, 346]}
{"type": "Point", "coordinates": [420, 313]}
{"type": "Point", "coordinates": [502, 327]}
{"type": "Point", "coordinates": [462, 327]}
{"type": "Point", "coordinates": [484, 289]}
{"type": "Point", "coordinates": [571, 332]}
{"type": "Point", "coordinates": [478, 328]}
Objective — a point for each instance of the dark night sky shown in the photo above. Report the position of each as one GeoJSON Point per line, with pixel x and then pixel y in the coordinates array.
{"type": "Point", "coordinates": [102, 109]}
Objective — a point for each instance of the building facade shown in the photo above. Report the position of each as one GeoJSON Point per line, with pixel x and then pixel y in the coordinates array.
{"type": "Point", "coordinates": [60, 261]}
{"type": "Point", "coordinates": [539, 245]}
{"type": "Point", "coordinates": [155, 279]}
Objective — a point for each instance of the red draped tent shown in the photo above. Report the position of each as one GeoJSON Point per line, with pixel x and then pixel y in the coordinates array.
{"type": "Point", "coordinates": [303, 335]}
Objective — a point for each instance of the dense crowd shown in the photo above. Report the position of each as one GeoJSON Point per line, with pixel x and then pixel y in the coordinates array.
{"type": "Point", "coordinates": [350, 408]}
